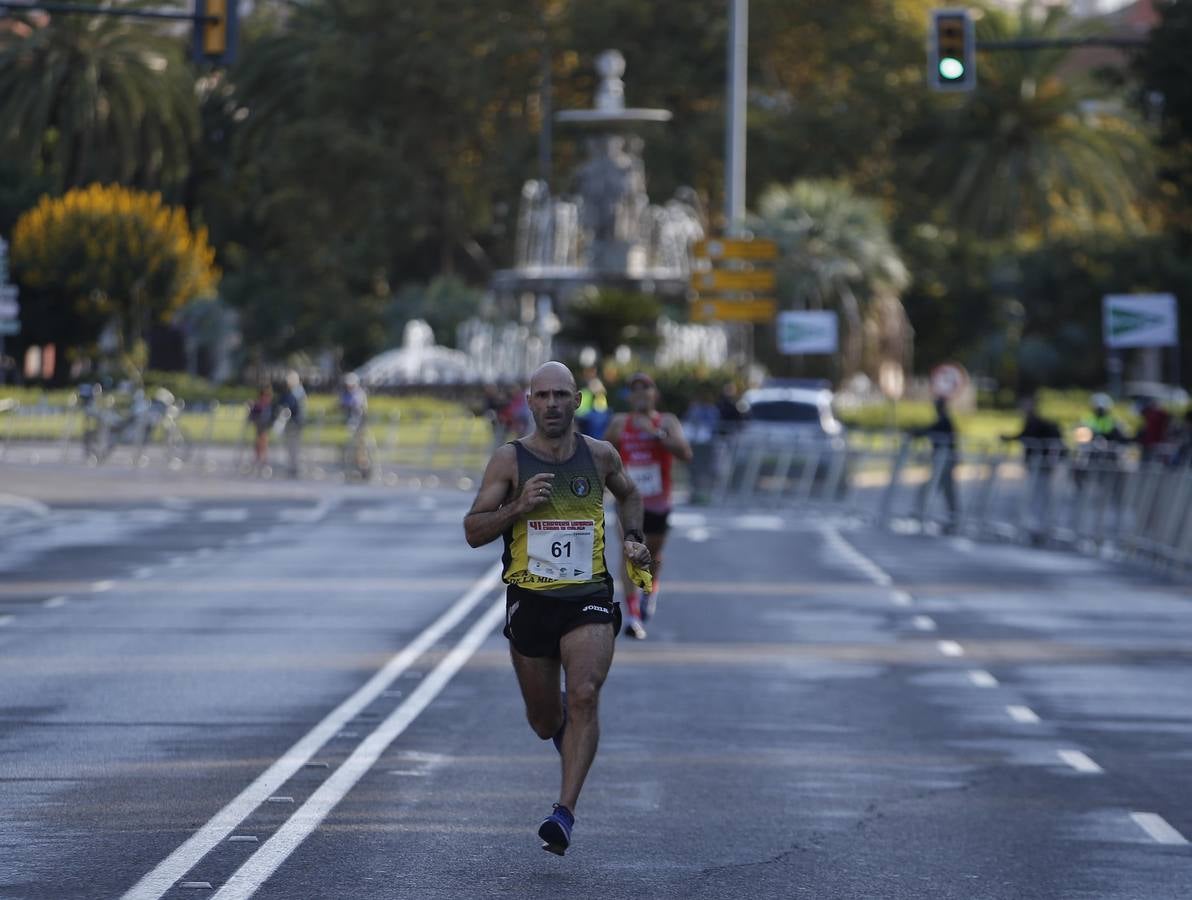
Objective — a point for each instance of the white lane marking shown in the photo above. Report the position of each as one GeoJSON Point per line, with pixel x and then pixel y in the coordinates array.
{"type": "Point", "coordinates": [99, 587]}
{"type": "Point", "coordinates": [176, 502]}
{"type": "Point", "coordinates": [688, 520]}
{"type": "Point", "coordinates": [265, 861]}
{"type": "Point", "coordinates": [1156, 826]}
{"type": "Point", "coordinates": [1078, 761]}
{"type": "Point", "coordinates": [388, 515]}
{"type": "Point", "coordinates": [142, 573]}
{"type": "Point", "coordinates": [165, 874]}
{"type": "Point", "coordinates": [698, 535]}
{"type": "Point", "coordinates": [963, 544]}
{"type": "Point", "coordinates": [981, 678]}
{"type": "Point", "coordinates": [1023, 714]}
{"type": "Point", "coordinates": [54, 602]}
{"type": "Point", "coordinates": [224, 514]}
{"type": "Point", "coordinates": [28, 504]}
{"type": "Point", "coordinates": [759, 523]}
{"type": "Point", "coordinates": [924, 623]}
{"type": "Point", "coordinates": [855, 557]}
{"type": "Point", "coordinates": [950, 648]}
{"type": "Point", "coordinates": [4, 620]}
{"type": "Point", "coordinates": [900, 598]}
{"type": "Point", "coordinates": [309, 515]}
{"type": "Point", "coordinates": [175, 562]}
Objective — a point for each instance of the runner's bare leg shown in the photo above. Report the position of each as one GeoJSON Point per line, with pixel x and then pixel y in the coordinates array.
{"type": "Point", "coordinates": [587, 653]}
{"type": "Point", "coordinates": [538, 677]}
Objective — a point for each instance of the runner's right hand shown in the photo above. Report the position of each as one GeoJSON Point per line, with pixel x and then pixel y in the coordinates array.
{"type": "Point", "coordinates": [536, 491]}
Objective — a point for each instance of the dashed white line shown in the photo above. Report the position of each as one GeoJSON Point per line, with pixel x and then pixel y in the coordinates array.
{"type": "Point", "coordinates": [224, 514]}
{"type": "Point", "coordinates": [759, 523]}
{"type": "Point", "coordinates": [166, 874]}
{"type": "Point", "coordinates": [142, 573]}
{"type": "Point", "coordinates": [1023, 714]}
{"type": "Point", "coordinates": [981, 678]}
{"type": "Point", "coordinates": [855, 557]}
{"type": "Point", "coordinates": [924, 623]}
{"type": "Point", "coordinates": [4, 620]}
{"type": "Point", "coordinates": [698, 535]}
{"type": "Point", "coordinates": [950, 648]}
{"type": "Point", "coordinates": [900, 598]}
{"type": "Point", "coordinates": [1079, 761]}
{"type": "Point", "coordinates": [99, 587]}
{"type": "Point", "coordinates": [309, 515]}
{"type": "Point", "coordinates": [1156, 826]}
{"type": "Point", "coordinates": [54, 602]}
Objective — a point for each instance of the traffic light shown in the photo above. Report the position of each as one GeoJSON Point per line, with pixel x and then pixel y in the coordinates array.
{"type": "Point", "coordinates": [951, 51]}
{"type": "Point", "coordinates": [215, 31]}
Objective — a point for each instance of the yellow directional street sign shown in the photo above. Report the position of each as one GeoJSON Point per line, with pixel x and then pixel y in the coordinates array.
{"type": "Point", "coordinates": [733, 310]}
{"type": "Point", "coordinates": [735, 248]}
{"type": "Point", "coordinates": [728, 280]}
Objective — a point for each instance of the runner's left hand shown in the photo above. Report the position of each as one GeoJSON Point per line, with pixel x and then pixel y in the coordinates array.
{"type": "Point", "coordinates": [639, 553]}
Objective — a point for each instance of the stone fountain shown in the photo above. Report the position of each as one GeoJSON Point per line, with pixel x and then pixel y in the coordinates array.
{"type": "Point", "coordinates": [605, 232]}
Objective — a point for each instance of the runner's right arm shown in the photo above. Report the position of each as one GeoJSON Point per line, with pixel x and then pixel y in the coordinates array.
{"type": "Point", "coordinates": [493, 512]}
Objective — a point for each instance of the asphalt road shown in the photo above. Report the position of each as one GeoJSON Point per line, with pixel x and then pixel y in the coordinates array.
{"type": "Point", "coordinates": [228, 689]}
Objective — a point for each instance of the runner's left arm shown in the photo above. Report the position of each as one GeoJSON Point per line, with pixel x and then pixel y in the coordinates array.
{"type": "Point", "coordinates": [672, 437]}
{"type": "Point", "coordinates": [629, 501]}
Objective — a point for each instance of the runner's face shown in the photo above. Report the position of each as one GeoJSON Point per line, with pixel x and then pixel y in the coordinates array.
{"type": "Point", "coordinates": [641, 397]}
{"type": "Point", "coordinates": [553, 401]}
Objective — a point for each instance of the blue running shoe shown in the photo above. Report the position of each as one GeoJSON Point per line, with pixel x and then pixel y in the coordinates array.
{"type": "Point", "coordinates": [557, 738]}
{"type": "Point", "coordinates": [556, 830]}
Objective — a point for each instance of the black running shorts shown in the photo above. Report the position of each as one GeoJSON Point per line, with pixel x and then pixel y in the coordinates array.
{"type": "Point", "coordinates": [655, 522]}
{"type": "Point", "coordinates": [535, 623]}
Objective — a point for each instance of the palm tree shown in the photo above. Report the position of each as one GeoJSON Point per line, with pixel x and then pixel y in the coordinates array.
{"type": "Point", "coordinates": [836, 253]}
{"type": "Point", "coordinates": [96, 98]}
{"type": "Point", "coordinates": [1036, 146]}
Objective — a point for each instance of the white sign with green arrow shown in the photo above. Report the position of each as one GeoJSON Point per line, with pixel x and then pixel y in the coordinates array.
{"type": "Point", "coordinates": [807, 332]}
{"type": "Point", "coordinates": [1140, 320]}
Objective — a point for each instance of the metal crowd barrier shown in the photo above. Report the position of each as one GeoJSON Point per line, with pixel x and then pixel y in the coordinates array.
{"type": "Point", "coordinates": [1102, 500]}
{"type": "Point", "coordinates": [415, 448]}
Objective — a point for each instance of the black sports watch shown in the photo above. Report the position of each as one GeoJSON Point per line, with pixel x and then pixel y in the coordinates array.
{"type": "Point", "coordinates": [636, 536]}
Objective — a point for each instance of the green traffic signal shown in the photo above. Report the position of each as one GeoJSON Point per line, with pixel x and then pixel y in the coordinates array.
{"type": "Point", "coordinates": [951, 68]}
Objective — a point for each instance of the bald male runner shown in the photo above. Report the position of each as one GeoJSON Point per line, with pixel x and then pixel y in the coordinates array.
{"type": "Point", "coordinates": [544, 495]}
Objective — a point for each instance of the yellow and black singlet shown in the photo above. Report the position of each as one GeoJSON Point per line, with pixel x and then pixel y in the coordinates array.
{"type": "Point", "coordinates": [559, 546]}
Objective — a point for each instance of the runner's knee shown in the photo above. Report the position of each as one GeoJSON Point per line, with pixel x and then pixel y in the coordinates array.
{"type": "Point", "coordinates": [583, 696]}
{"type": "Point", "coordinates": [544, 725]}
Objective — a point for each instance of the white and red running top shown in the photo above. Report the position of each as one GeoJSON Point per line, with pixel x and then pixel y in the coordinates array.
{"type": "Point", "coordinates": [647, 463]}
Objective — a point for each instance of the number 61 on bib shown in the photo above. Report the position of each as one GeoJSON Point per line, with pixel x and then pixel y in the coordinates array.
{"type": "Point", "coordinates": [561, 550]}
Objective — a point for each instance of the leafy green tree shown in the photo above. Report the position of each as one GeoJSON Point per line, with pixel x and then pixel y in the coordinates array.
{"type": "Point", "coordinates": [329, 195]}
{"type": "Point", "coordinates": [102, 254]}
{"type": "Point", "coordinates": [836, 253]}
{"type": "Point", "coordinates": [1032, 148]}
{"type": "Point", "coordinates": [96, 98]}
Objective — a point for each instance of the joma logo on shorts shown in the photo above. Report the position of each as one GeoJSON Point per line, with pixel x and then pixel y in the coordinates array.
{"type": "Point", "coordinates": [599, 609]}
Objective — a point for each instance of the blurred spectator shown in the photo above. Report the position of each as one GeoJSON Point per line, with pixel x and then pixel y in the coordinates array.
{"type": "Point", "coordinates": [701, 425]}
{"type": "Point", "coordinates": [260, 416]}
{"type": "Point", "coordinates": [293, 399]}
{"type": "Point", "coordinates": [730, 415]}
{"type": "Point", "coordinates": [1041, 438]}
{"type": "Point", "coordinates": [593, 414]}
{"type": "Point", "coordinates": [1152, 433]}
{"type": "Point", "coordinates": [942, 434]}
{"type": "Point", "coordinates": [491, 408]}
{"type": "Point", "coordinates": [516, 416]}
{"type": "Point", "coordinates": [1183, 442]}
{"type": "Point", "coordinates": [353, 401]}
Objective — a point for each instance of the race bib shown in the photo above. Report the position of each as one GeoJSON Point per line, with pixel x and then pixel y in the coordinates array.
{"type": "Point", "coordinates": [561, 550]}
{"type": "Point", "coordinates": [648, 478]}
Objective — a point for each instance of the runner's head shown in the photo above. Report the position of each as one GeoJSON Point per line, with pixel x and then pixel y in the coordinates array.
{"type": "Point", "coordinates": [553, 399]}
{"type": "Point", "coordinates": [642, 393]}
